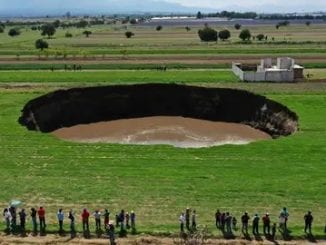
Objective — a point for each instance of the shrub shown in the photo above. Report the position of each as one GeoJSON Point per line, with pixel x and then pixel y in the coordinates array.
{"type": "Point", "coordinates": [129, 34]}
{"type": "Point", "coordinates": [158, 28]}
{"type": "Point", "coordinates": [41, 44]}
{"type": "Point", "coordinates": [237, 26]}
{"type": "Point", "coordinates": [14, 32]}
{"type": "Point", "coordinates": [260, 37]}
{"type": "Point", "coordinates": [245, 35]}
{"type": "Point", "coordinates": [207, 34]}
{"type": "Point", "coordinates": [224, 34]}
{"type": "Point", "coordinates": [68, 34]}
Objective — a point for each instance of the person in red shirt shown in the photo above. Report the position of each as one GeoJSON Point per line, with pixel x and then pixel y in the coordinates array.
{"type": "Point", "coordinates": [41, 216]}
{"type": "Point", "coordinates": [85, 217]}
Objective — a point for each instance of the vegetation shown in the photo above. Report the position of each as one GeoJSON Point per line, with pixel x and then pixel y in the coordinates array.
{"type": "Point", "coordinates": [259, 177]}
{"type": "Point", "coordinates": [41, 44]}
{"type": "Point", "coordinates": [87, 33]}
{"type": "Point", "coordinates": [245, 35]}
{"type": "Point", "coordinates": [129, 34]}
{"type": "Point", "coordinates": [237, 26]}
{"type": "Point", "coordinates": [68, 35]}
{"type": "Point", "coordinates": [224, 35]}
{"type": "Point", "coordinates": [2, 29]}
{"type": "Point", "coordinates": [48, 30]}
{"type": "Point", "coordinates": [208, 34]}
{"type": "Point", "coordinates": [159, 27]}
{"type": "Point", "coordinates": [13, 32]}
{"type": "Point", "coordinates": [260, 37]}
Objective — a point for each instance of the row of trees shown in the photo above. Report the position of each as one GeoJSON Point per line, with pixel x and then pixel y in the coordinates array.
{"type": "Point", "coordinates": [208, 34]}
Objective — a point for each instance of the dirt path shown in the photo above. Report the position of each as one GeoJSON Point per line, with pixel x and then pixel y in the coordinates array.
{"type": "Point", "coordinates": [176, 131]}
{"type": "Point", "coordinates": [136, 240]}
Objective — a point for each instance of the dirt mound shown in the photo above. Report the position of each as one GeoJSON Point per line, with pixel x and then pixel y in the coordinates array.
{"type": "Point", "coordinates": [176, 131]}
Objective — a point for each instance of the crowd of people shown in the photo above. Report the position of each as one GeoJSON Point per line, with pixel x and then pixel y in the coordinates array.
{"type": "Point", "coordinates": [224, 221]}
{"type": "Point", "coordinates": [227, 223]}
{"type": "Point", "coordinates": [124, 220]}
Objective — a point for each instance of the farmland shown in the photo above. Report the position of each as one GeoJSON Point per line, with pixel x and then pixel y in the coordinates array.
{"type": "Point", "coordinates": [158, 182]}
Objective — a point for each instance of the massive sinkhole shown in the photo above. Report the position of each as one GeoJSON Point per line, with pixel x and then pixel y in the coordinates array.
{"type": "Point", "coordinates": [180, 115]}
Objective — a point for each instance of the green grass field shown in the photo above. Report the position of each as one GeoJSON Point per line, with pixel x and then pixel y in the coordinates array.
{"type": "Point", "coordinates": [158, 182]}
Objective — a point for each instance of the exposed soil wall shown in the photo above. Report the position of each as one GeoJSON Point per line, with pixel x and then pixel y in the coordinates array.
{"type": "Point", "coordinates": [65, 108]}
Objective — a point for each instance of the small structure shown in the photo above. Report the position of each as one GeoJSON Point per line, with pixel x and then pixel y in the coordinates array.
{"type": "Point", "coordinates": [285, 70]}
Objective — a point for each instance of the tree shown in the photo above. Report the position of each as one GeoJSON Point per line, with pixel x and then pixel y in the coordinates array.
{"type": "Point", "coordinates": [68, 34]}
{"type": "Point", "coordinates": [82, 24]}
{"type": "Point", "coordinates": [158, 28]}
{"type": "Point", "coordinates": [187, 28]}
{"type": "Point", "coordinates": [308, 23]}
{"type": "Point", "coordinates": [56, 23]}
{"type": "Point", "coordinates": [14, 32]}
{"type": "Point", "coordinates": [260, 37]}
{"type": "Point", "coordinates": [41, 44]}
{"type": "Point", "coordinates": [199, 15]}
{"type": "Point", "coordinates": [133, 21]}
{"type": "Point", "coordinates": [129, 34]}
{"type": "Point", "coordinates": [245, 35]}
{"type": "Point", "coordinates": [237, 26]}
{"type": "Point", "coordinates": [207, 34]}
{"type": "Point", "coordinates": [224, 35]}
{"type": "Point", "coordinates": [48, 30]}
{"type": "Point", "coordinates": [87, 33]}
{"type": "Point", "coordinates": [1, 29]}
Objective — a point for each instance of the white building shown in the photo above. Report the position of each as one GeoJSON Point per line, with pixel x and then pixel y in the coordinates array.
{"type": "Point", "coordinates": [285, 70]}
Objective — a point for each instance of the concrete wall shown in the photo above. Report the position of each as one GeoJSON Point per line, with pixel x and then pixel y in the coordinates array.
{"type": "Point", "coordinates": [279, 76]}
{"type": "Point", "coordinates": [237, 71]}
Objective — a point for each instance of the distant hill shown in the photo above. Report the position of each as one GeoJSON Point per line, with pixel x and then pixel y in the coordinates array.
{"type": "Point", "coordinates": [59, 7]}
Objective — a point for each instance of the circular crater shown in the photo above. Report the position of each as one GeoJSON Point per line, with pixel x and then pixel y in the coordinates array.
{"type": "Point", "coordinates": [179, 115]}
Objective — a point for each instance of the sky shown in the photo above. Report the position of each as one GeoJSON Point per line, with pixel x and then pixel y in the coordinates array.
{"type": "Point", "coordinates": [102, 6]}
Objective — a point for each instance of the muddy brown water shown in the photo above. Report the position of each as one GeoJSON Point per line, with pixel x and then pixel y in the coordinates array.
{"type": "Point", "coordinates": [175, 131]}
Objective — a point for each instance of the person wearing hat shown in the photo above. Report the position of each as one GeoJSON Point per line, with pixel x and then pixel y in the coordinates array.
{"type": "Point", "coordinates": [245, 220]}
{"type": "Point", "coordinates": [308, 218]}
{"type": "Point", "coordinates": [266, 224]}
{"type": "Point", "coordinates": [255, 225]}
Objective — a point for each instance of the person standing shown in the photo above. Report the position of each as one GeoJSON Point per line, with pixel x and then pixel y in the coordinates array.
{"type": "Point", "coordinates": [273, 231]}
{"type": "Point", "coordinates": [127, 220]}
{"type": "Point", "coordinates": [13, 214]}
{"type": "Point", "coordinates": [34, 222]}
{"type": "Point", "coordinates": [41, 216]}
{"type": "Point", "coordinates": [97, 216]}
{"type": "Point", "coordinates": [187, 218]}
{"type": "Point", "coordinates": [71, 216]}
{"type": "Point", "coordinates": [60, 216]}
{"type": "Point", "coordinates": [122, 220]}
{"type": "Point", "coordinates": [284, 216]}
{"type": "Point", "coordinates": [111, 233]}
{"type": "Point", "coordinates": [266, 224]}
{"type": "Point", "coordinates": [7, 217]}
{"type": "Point", "coordinates": [245, 221]}
{"type": "Point", "coordinates": [106, 218]}
{"type": "Point", "coordinates": [308, 218]}
{"type": "Point", "coordinates": [85, 220]}
{"type": "Point", "coordinates": [228, 222]}
{"type": "Point", "coordinates": [218, 219]}
{"type": "Point", "coordinates": [234, 223]}
{"type": "Point", "coordinates": [193, 220]}
{"type": "Point", "coordinates": [182, 220]}
{"type": "Point", "coordinates": [255, 225]}
{"type": "Point", "coordinates": [133, 220]}
{"type": "Point", "coordinates": [22, 217]}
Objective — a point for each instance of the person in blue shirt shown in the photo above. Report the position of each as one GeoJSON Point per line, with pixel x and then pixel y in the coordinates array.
{"type": "Point", "coordinates": [60, 216]}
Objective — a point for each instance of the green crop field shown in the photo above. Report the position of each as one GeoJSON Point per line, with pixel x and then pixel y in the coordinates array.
{"type": "Point", "coordinates": [158, 182]}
